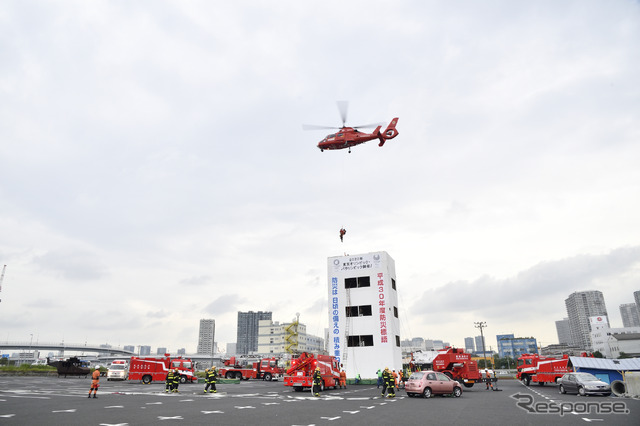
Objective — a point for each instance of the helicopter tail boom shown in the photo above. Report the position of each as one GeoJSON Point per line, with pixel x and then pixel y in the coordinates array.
{"type": "Point", "coordinates": [389, 133]}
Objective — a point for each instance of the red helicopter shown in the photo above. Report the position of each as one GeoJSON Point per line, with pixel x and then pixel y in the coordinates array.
{"type": "Point", "coordinates": [346, 137]}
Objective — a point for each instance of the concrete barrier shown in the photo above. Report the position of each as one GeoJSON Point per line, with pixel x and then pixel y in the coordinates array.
{"type": "Point", "coordinates": [632, 384]}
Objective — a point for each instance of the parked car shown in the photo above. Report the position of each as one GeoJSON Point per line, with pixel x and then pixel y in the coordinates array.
{"type": "Point", "coordinates": [583, 384]}
{"type": "Point", "coordinates": [427, 383]}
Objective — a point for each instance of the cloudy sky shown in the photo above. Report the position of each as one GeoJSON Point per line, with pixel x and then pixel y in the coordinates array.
{"type": "Point", "coordinates": [154, 170]}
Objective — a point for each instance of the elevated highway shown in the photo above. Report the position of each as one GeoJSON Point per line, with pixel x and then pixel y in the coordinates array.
{"type": "Point", "coordinates": [62, 347]}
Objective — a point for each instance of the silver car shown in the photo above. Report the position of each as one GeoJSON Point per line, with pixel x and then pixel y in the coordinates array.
{"type": "Point", "coordinates": [583, 384]}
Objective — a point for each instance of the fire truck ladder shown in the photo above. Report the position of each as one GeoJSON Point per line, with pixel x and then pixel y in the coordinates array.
{"type": "Point", "coordinates": [291, 339]}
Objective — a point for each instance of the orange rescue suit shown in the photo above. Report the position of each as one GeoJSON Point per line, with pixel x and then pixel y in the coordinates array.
{"type": "Point", "coordinates": [95, 377]}
{"type": "Point", "coordinates": [343, 379]}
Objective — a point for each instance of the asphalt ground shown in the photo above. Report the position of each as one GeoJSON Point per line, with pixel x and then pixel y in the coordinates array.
{"type": "Point", "coordinates": [63, 401]}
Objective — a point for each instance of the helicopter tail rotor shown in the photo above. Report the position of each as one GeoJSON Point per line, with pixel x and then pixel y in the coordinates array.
{"type": "Point", "coordinates": [389, 133]}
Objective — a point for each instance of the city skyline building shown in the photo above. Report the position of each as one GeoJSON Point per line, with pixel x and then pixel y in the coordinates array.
{"type": "Point", "coordinates": [206, 336]}
{"type": "Point", "coordinates": [479, 343]}
{"type": "Point", "coordinates": [630, 315]}
{"type": "Point", "coordinates": [248, 331]}
{"type": "Point", "coordinates": [604, 339]}
{"type": "Point", "coordinates": [469, 345]}
{"type": "Point", "coordinates": [275, 338]}
{"type": "Point", "coordinates": [513, 347]}
{"type": "Point", "coordinates": [145, 350]}
{"type": "Point", "coordinates": [363, 313]}
{"type": "Point", "coordinates": [581, 306]}
{"type": "Point", "coordinates": [564, 332]}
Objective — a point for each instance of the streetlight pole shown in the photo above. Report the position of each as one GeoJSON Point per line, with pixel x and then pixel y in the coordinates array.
{"type": "Point", "coordinates": [481, 325]}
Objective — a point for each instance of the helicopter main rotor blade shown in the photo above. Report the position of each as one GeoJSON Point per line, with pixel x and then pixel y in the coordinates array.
{"type": "Point", "coordinates": [343, 106]}
{"type": "Point", "coordinates": [314, 127]}
{"type": "Point", "coordinates": [368, 126]}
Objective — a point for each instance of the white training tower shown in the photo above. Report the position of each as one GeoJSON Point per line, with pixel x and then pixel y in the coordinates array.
{"type": "Point", "coordinates": [364, 329]}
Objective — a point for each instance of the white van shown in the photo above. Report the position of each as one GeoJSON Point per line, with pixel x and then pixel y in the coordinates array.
{"type": "Point", "coordinates": [118, 370]}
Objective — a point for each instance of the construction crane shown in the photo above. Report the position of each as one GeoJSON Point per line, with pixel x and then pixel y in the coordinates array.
{"type": "Point", "coordinates": [2, 278]}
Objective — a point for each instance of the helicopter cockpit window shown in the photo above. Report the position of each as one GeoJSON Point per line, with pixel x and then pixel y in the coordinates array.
{"type": "Point", "coordinates": [340, 134]}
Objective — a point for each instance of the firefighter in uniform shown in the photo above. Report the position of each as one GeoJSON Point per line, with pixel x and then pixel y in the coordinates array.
{"type": "Point", "coordinates": [176, 381]}
{"type": "Point", "coordinates": [95, 382]}
{"type": "Point", "coordinates": [317, 380]}
{"type": "Point", "coordinates": [211, 377]}
{"type": "Point", "coordinates": [168, 381]}
{"type": "Point", "coordinates": [391, 385]}
{"type": "Point", "coordinates": [206, 380]}
{"type": "Point", "coordinates": [385, 380]}
{"type": "Point", "coordinates": [488, 379]}
{"type": "Point", "coordinates": [343, 379]}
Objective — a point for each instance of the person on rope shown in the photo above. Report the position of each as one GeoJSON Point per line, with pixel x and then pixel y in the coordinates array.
{"type": "Point", "coordinates": [342, 232]}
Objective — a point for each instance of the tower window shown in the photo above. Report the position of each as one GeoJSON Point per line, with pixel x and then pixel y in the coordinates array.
{"type": "Point", "coordinates": [356, 282]}
{"type": "Point", "coordinates": [365, 340]}
{"type": "Point", "coordinates": [358, 311]}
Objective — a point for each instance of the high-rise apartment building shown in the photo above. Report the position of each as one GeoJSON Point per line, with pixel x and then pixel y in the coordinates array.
{"type": "Point", "coordinates": [581, 306]}
{"type": "Point", "coordinates": [363, 313]}
{"type": "Point", "coordinates": [480, 344]}
{"type": "Point", "coordinates": [636, 297]}
{"type": "Point", "coordinates": [161, 351]}
{"type": "Point", "coordinates": [145, 350]}
{"type": "Point", "coordinates": [129, 348]}
{"type": "Point", "coordinates": [206, 336]}
{"type": "Point", "coordinates": [564, 331]}
{"type": "Point", "coordinates": [468, 345]}
{"type": "Point", "coordinates": [629, 314]}
{"type": "Point", "coordinates": [248, 331]}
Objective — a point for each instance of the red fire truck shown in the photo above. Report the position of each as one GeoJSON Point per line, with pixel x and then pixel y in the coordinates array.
{"type": "Point", "coordinates": [458, 365]}
{"type": "Point", "coordinates": [155, 369]}
{"type": "Point", "coordinates": [300, 374]}
{"type": "Point", "coordinates": [249, 368]}
{"type": "Point", "coordinates": [539, 369]}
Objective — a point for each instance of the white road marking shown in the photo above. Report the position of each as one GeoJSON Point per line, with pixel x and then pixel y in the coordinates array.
{"type": "Point", "coordinates": [212, 412]}
{"type": "Point", "coordinates": [270, 403]}
{"type": "Point", "coordinates": [242, 408]}
{"type": "Point", "coordinates": [170, 418]}
{"type": "Point", "coordinates": [6, 416]}
{"type": "Point", "coordinates": [592, 420]}
{"type": "Point", "coordinates": [30, 397]}
{"type": "Point", "coordinates": [352, 412]}
{"type": "Point", "coordinates": [368, 408]}
{"type": "Point", "coordinates": [73, 410]}
{"type": "Point", "coordinates": [186, 400]}
{"type": "Point", "coordinates": [330, 418]}
{"type": "Point", "coordinates": [154, 403]}
{"type": "Point", "coordinates": [114, 424]}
